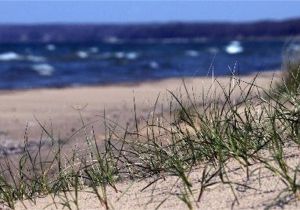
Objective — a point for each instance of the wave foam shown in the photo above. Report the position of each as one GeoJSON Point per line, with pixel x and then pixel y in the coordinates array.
{"type": "Point", "coordinates": [8, 56]}
{"type": "Point", "coordinates": [82, 54]}
{"type": "Point", "coordinates": [43, 69]}
{"type": "Point", "coordinates": [234, 47]}
{"type": "Point", "coordinates": [131, 55]}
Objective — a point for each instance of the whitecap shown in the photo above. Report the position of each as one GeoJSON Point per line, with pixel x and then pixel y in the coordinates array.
{"type": "Point", "coordinates": [82, 54]}
{"type": "Point", "coordinates": [234, 47]}
{"type": "Point", "coordinates": [119, 55]}
{"type": "Point", "coordinates": [43, 69]}
{"type": "Point", "coordinates": [10, 56]}
{"type": "Point", "coordinates": [36, 58]}
{"type": "Point", "coordinates": [192, 53]}
{"type": "Point", "coordinates": [153, 64]}
{"type": "Point", "coordinates": [131, 55]}
{"type": "Point", "coordinates": [51, 47]}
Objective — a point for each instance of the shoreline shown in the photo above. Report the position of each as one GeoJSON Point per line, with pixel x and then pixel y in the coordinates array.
{"type": "Point", "coordinates": [264, 73]}
{"type": "Point", "coordinates": [56, 108]}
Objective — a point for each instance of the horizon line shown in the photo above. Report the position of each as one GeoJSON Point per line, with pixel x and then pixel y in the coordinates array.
{"type": "Point", "coordinates": [152, 22]}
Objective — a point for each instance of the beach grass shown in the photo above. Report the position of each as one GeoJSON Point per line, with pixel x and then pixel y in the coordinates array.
{"type": "Point", "coordinates": [253, 131]}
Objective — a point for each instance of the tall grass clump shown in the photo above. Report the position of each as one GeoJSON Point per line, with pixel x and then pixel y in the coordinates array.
{"type": "Point", "coordinates": [50, 169]}
{"type": "Point", "coordinates": [244, 124]}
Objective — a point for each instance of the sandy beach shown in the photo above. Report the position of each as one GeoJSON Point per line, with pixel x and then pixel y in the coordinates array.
{"type": "Point", "coordinates": [58, 110]}
{"type": "Point", "coordinates": [164, 193]}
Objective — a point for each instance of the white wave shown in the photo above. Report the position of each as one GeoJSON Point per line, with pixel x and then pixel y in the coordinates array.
{"type": "Point", "coordinates": [234, 47]}
{"type": "Point", "coordinates": [119, 55]}
{"type": "Point", "coordinates": [10, 56]}
{"type": "Point", "coordinates": [82, 54]}
{"type": "Point", "coordinates": [43, 69]}
{"type": "Point", "coordinates": [51, 47]}
{"type": "Point", "coordinates": [192, 53]}
{"type": "Point", "coordinates": [36, 58]}
{"type": "Point", "coordinates": [154, 65]}
{"type": "Point", "coordinates": [131, 55]}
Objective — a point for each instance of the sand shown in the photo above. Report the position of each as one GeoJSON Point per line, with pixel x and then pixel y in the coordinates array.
{"type": "Point", "coordinates": [58, 109]}
{"type": "Point", "coordinates": [261, 193]}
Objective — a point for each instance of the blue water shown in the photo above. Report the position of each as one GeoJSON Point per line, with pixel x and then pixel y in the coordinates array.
{"type": "Point", "coordinates": [25, 66]}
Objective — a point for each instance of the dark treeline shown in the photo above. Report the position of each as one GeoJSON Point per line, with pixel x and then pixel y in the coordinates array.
{"type": "Point", "coordinates": [93, 32]}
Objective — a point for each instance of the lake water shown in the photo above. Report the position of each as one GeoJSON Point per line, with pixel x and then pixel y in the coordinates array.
{"type": "Point", "coordinates": [24, 66]}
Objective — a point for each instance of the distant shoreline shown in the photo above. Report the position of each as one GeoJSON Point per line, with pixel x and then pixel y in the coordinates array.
{"type": "Point", "coordinates": [56, 33]}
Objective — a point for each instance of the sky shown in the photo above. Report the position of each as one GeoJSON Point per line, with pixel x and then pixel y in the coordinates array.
{"type": "Point", "coordinates": [140, 11]}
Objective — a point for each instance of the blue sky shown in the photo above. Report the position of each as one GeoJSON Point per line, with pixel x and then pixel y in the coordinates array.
{"type": "Point", "coordinates": [143, 11]}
